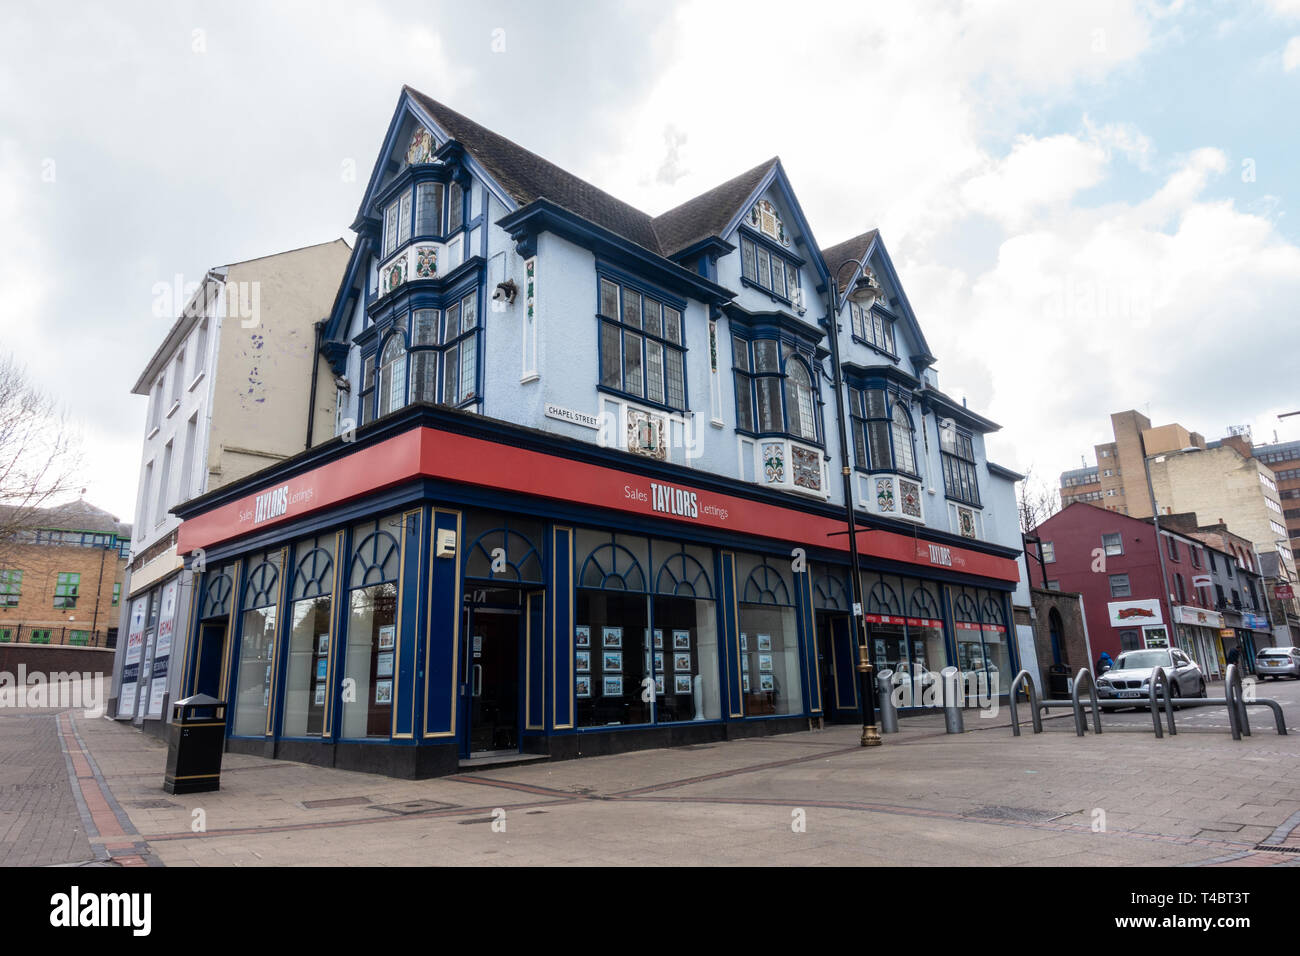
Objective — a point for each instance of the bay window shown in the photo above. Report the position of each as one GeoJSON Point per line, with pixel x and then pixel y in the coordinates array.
{"type": "Point", "coordinates": [883, 437]}
{"type": "Point", "coordinates": [440, 365]}
{"type": "Point", "coordinates": [427, 210]}
{"type": "Point", "coordinates": [641, 347]}
{"type": "Point", "coordinates": [774, 389]}
{"type": "Point", "coordinates": [392, 375]}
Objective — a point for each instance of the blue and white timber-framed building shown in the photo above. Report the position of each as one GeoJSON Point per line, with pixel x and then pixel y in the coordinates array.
{"type": "Point", "coordinates": [585, 489]}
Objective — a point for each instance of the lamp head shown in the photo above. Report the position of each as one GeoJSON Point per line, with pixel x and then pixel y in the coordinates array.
{"type": "Point", "coordinates": [867, 291]}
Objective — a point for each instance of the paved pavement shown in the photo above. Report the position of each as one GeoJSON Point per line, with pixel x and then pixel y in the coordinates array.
{"type": "Point", "coordinates": [925, 798]}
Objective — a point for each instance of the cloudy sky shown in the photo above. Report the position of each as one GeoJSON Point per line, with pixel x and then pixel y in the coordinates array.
{"type": "Point", "coordinates": [1090, 204]}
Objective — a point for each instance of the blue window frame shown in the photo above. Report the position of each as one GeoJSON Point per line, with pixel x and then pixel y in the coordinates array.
{"type": "Point", "coordinates": [642, 346]}
{"type": "Point", "coordinates": [423, 210]}
{"type": "Point", "coordinates": [873, 327]}
{"type": "Point", "coordinates": [429, 355]}
{"type": "Point", "coordinates": [776, 390]}
{"type": "Point", "coordinates": [217, 591]}
{"type": "Point", "coordinates": [767, 269]}
{"type": "Point", "coordinates": [883, 436]}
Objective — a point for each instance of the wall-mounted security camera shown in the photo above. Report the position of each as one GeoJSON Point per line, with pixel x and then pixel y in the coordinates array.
{"type": "Point", "coordinates": [505, 292]}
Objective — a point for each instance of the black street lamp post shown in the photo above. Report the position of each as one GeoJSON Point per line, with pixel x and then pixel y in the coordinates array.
{"type": "Point", "coordinates": [865, 292]}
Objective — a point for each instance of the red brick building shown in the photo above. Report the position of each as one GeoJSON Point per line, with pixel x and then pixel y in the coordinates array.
{"type": "Point", "coordinates": [1111, 559]}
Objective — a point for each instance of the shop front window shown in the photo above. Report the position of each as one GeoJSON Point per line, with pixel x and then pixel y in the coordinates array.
{"type": "Point", "coordinates": [646, 643]}
{"type": "Point", "coordinates": [982, 647]}
{"type": "Point", "coordinates": [885, 626]}
{"type": "Point", "coordinates": [307, 680]}
{"type": "Point", "coordinates": [684, 648]}
{"type": "Point", "coordinates": [925, 626]}
{"type": "Point", "coordinates": [257, 644]}
{"type": "Point", "coordinates": [369, 666]}
{"type": "Point", "coordinates": [613, 645]}
{"type": "Point", "coordinates": [771, 678]}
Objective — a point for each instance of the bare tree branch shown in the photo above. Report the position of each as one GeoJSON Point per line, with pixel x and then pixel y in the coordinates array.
{"type": "Point", "coordinates": [1036, 500]}
{"type": "Point", "coordinates": [40, 457]}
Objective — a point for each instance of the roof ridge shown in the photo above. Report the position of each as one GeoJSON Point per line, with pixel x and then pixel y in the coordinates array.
{"type": "Point", "coordinates": [707, 213]}
{"type": "Point", "coordinates": [763, 166]}
{"type": "Point", "coordinates": [435, 108]}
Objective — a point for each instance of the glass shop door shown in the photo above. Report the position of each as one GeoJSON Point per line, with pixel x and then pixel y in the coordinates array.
{"type": "Point", "coordinates": [490, 681]}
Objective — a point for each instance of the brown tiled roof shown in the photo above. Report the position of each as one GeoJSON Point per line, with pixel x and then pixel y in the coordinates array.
{"type": "Point", "coordinates": [708, 213]}
{"type": "Point", "coordinates": [526, 176]}
{"type": "Point", "coordinates": [840, 253]}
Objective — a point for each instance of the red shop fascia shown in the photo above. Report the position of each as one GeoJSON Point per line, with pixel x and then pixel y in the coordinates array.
{"type": "Point", "coordinates": [473, 460]}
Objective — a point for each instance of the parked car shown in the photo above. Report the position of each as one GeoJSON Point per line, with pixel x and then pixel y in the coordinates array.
{"type": "Point", "coordinates": [1278, 662]}
{"type": "Point", "coordinates": [1131, 675]}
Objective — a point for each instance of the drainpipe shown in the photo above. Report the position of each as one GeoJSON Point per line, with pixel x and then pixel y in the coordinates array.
{"type": "Point", "coordinates": [318, 326]}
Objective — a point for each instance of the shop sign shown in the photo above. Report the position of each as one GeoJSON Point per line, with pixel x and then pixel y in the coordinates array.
{"type": "Point", "coordinates": [1283, 592]}
{"type": "Point", "coordinates": [434, 453]}
{"type": "Point", "coordinates": [988, 628]}
{"type": "Point", "coordinates": [1227, 632]}
{"type": "Point", "coordinates": [1201, 581]}
{"type": "Point", "coordinates": [895, 619]}
{"type": "Point", "coordinates": [1254, 621]}
{"type": "Point", "coordinates": [1129, 613]}
{"type": "Point", "coordinates": [1197, 616]}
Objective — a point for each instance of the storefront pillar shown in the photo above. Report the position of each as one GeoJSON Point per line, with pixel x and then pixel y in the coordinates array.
{"type": "Point", "coordinates": [562, 630]}
{"type": "Point", "coordinates": [442, 633]}
{"type": "Point", "coordinates": [410, 605]}
{"type": "Point", "coordinates": [733, 701]}
{"type": "Point", "coordinates": [812, 690]}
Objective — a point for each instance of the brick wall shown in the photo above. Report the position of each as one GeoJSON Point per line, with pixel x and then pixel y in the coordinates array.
{"type": "Point", "coordinates": [99, 570]}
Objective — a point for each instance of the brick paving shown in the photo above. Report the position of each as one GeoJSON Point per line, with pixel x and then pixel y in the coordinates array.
{"type": "Point", "coordinates": [39, 820]}
{"type": "Point", "coordinates": [925, 798]}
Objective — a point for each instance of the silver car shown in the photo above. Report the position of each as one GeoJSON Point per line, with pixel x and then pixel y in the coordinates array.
{"type": "Point", "coordinates": [1131, 675]}
{"type": "Point", "coordinates": [1278, 662]}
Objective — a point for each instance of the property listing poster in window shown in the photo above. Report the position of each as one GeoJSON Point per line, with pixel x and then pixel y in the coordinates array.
{"type": "Point", "coordinates": [162, 649]}
{"type": "Point", "coordinates": [131, 666]}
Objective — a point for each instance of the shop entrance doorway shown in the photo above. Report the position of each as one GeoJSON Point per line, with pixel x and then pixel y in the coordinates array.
{"type": "Point", "coordinates": [495, 623]}
{"type": "Point", "coordinates": [208, 661]}
{"type": "Point", "coordinates": [836, 665]}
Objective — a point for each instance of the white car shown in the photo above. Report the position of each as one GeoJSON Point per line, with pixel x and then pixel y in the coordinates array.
{"type": "Point", "coordinates": [1131, 675]}
{"type": "Point", "coordinates": [1278, 662]}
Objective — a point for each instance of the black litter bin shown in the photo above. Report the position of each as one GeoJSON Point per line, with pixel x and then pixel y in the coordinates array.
{"type": "Point", "coordinates": [197, 737]}
{"type": "Point", "coordinates": [1058, 681]}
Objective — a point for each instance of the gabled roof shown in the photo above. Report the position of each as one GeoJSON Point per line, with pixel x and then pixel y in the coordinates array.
{"type": "Point", "coordinates": [527, 176]}
{"type": "Point", "coordinates": [709, 213]}
{"type": "Point", "coordinates": [850, 249]}
{"type": "Point", "coordinates": [863, 248]}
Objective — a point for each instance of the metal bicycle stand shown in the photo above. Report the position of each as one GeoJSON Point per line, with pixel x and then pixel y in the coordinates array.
{"type": "Point", "coordinates": [1027, 679]}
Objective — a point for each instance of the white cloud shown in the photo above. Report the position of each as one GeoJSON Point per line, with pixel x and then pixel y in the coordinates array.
{"type": "Point", "coordinates": [878, 110]}
{"type": "Point", "coordinates": [1177, 300]}
{"type": "Point", "coordinates": [937, 121]}
{"type": "Point", "coordinates": [1037, 173]}
{"type": "Point", "coordinates": [1291, 55]}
